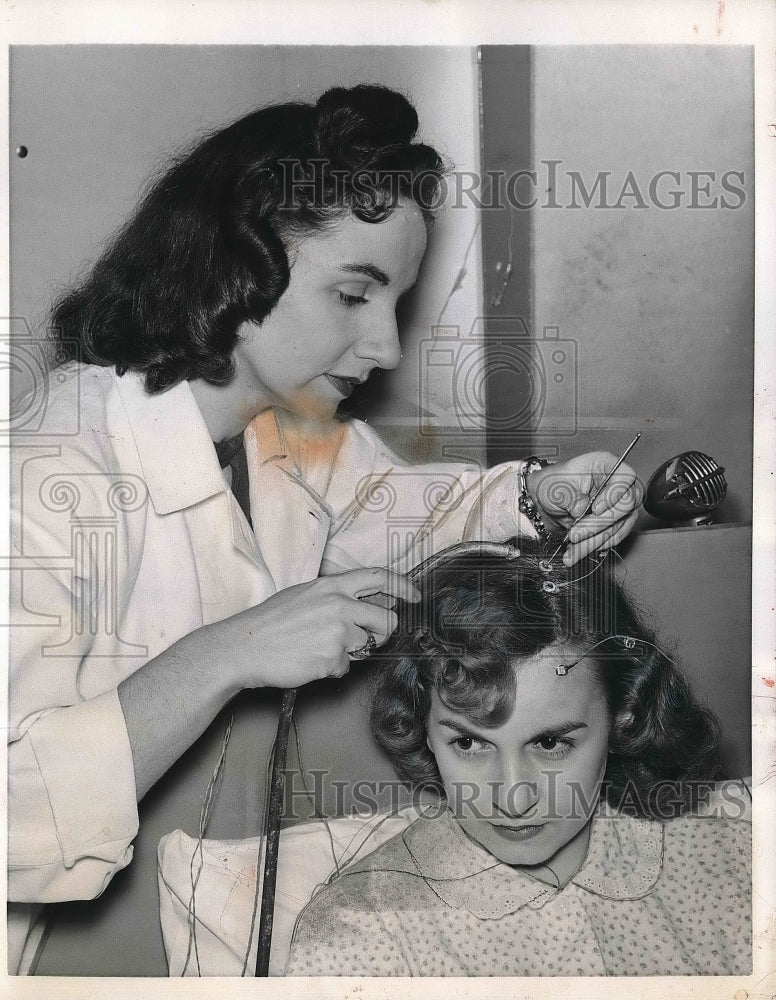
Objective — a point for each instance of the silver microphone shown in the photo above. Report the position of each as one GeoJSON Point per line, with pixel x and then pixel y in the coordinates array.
{"type": "Point", "coordinates": [685, 489]}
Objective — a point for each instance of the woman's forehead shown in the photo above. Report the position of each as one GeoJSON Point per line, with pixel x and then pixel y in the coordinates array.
{"type": "Point", "coordinates": [394, 246]}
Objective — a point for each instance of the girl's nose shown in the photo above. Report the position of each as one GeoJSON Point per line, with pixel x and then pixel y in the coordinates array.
{"type": "Point", "coordinates": [516, 792]}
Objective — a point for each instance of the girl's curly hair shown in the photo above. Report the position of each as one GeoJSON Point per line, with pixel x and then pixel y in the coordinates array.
{"type": "Point", "coordinates": [204, 251]}
{"type": "Point", "coordinates": [480, 615]}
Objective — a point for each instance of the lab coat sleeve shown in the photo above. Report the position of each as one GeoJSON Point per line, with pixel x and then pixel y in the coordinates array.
{"type": "Point", "coordinates": [72, 808]}
{"type": "Point", "coordinates": [387, 512]}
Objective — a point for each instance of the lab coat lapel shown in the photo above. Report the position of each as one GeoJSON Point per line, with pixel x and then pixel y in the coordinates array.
{"type": "Point", "coordinates": [231, 573]}
{"type": "Point", "coordinates": [288, 479]}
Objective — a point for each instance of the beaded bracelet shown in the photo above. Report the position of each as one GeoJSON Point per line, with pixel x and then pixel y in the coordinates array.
{"type": "Point", "coordinates": [526, 503]}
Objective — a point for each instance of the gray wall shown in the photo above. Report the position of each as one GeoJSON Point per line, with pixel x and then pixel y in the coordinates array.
{"type": "Point", "coordinates": [659, 301]}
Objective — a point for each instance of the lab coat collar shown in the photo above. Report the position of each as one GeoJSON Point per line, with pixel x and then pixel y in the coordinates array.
{"type": "Point", "coordinates": [179, 460]}
{"type": "Point", "coordinates": [290, 465]}
{"type": "Point", "coordinates": [624, 861]}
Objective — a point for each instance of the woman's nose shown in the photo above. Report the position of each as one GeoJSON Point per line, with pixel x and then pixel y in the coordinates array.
{"type": "Point", "coordinates": [516, 790]}
{"type": "Point", "coordinates": [381, 345]}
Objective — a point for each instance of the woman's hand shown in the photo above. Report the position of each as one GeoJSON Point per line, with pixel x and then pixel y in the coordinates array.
{"type": "Point", "coordinates": [305, 632]}
{"type": "Point", "coordinates": [563, 491]}
{"type": "Point", "coordinates": [298, 635]}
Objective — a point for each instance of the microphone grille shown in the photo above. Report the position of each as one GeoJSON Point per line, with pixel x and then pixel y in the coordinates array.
{"type": "Point", "coordinates": [688, 486]}
{"type": "Point", "coordinates": [704, 485]}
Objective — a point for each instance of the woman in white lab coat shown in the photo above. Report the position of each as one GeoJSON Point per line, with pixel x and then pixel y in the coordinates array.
{"type": "Point", "coordinates": [254, 287]}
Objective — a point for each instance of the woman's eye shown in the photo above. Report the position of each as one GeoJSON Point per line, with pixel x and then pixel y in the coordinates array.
{"type": "Point", "coordinates": [351, 300]}
{"type": "Point", "coordinates": [549, 742]}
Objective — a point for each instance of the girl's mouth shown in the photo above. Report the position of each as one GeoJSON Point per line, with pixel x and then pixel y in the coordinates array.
{"type": "Point", "coordinates": [517, 832]}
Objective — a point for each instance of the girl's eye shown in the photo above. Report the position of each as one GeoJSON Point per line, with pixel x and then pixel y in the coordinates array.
{"type": "Point", "coordinates": [351, 300]}
{"type": "Point", "coordinates": [466, 744]}
{"type": "Point", "coordinates": [554, 746]}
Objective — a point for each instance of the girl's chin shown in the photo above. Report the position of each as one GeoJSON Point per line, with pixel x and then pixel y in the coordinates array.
{"type": "Point", "coordinates": [523, 845]}
{"type": "Point", "coordinates": [530, 845]}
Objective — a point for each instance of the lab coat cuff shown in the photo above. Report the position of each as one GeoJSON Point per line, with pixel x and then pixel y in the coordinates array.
{"type": "Point", "coordinates": [501, 513]}
{"type": "Point", "coordinates": [85, 760]}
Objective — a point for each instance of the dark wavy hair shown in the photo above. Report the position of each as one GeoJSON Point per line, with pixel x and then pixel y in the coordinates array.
{"type": "Point", "coordinates": [481, 614]}
{"type": "Point", "coordinates": [204, 251]}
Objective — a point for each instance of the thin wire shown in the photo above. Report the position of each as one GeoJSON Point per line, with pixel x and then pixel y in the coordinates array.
{"type": "Point", "coordinates": [623, 638]}
{"type": "Point", "coordinates": [597, 494]}
{"type": "Point", "coordinates": [316, 813]}
{"type": "Point", "coordinates": [617, 555]}
{"type": "Point", "coordinates": [343, 861]}
{"type": "Point", "coordinates": [498, 298]}
{"type": "Point", "coordinates": [204, 817]}
{"type": "Point", "coordinates": [458, 282]}
{"type": "Point", "coordinates": [599, 561]}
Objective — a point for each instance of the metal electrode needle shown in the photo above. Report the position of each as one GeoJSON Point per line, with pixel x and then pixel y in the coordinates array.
{"type": "Point", "coordinates": [598, 493]}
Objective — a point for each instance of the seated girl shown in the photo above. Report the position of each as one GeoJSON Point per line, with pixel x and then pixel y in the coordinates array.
{"type": "Point", "coordinates": [567, 748]}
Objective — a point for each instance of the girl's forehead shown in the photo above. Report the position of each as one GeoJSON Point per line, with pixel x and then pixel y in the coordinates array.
{"type": "Point", "coordinates": [543, 699]}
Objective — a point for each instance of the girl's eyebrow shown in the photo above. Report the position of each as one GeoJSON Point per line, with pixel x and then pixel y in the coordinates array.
{"type": "Point", "coordinates": [562, 729]}
{"type": "Point", "coordinates": [458, 727]}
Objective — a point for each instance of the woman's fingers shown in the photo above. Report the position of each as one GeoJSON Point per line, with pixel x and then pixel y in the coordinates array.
{"type": "Point", "coordinates": [600, 540]}
{"type": "Point", "coordinates": [621, 494]}
{"type": "Point", "coordinates": [381, 600]}
{"type": "Point", "coordinates": [594, 523]}
{"type": "Point", "coordinates": [366, 617]}
{"type": "Point", "coordinates": [375, 582]}
{"type": "Point", "coordinates": [564, 491]}
{"type": "Point", "coordinates": [310, 630]}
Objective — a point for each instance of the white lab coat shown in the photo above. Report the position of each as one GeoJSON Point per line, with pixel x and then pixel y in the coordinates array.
{"type": "Point", "coordinates": [126, 536]}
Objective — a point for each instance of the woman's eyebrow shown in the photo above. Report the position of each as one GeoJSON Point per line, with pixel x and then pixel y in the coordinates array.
{"type": "Point", "coordinates": [370, 270]}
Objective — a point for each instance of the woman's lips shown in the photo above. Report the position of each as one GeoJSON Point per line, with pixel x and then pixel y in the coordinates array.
{"type": "Point", "coordinates": [517, 832]}
{"type": "Point", "coordinates": [344, 386]}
